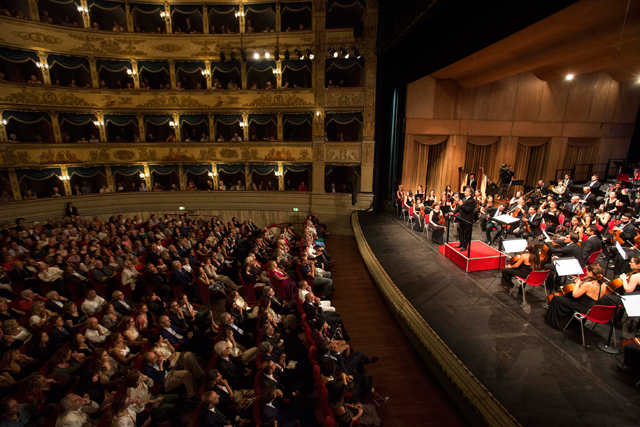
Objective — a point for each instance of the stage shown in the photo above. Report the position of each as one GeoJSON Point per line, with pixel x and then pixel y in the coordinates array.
{"type": "Point", "coordinates": [479, 257]}
{"type": "Point", "coordinates": [539, 374]}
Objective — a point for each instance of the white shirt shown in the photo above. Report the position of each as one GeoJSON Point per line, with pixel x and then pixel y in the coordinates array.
{"type": "Point", "coordinates": [92, 307]}
{"type": "Point", "coordinates": [51, 274]}
{"type": "Point", "coordinates": [78, 418]}
{"type": "Point", "coordinates": [95, 338]}
{"type": "Point", "coordinates": [129, 276]}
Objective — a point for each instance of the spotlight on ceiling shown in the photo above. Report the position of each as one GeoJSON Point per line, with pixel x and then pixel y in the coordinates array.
{"type": "Point", "coordinates": [569, 77]}
{"type": "Point", "coordinates": [256, 55]}
{"type": "Point", "coordinates": [222, 56]}
{"type": "Point", "coordinates": [267, 55]}
{"type": "Point", "coordinates": [333, 52]}
{"type": "Point", "coordinates": [356, 53]}
{"type": "Point", "coordinates": [310, 54]}
{"type": "Point", "coordinates": [299, 54]}
{"type": "Point", "coordinates": [344, 53]}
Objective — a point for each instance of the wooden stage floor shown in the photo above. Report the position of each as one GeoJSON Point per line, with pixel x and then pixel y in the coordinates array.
{"type": "Point", "coordinates": [541, 375]}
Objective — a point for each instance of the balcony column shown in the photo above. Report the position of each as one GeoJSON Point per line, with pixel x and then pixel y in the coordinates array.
{"type": "Point", "coordinates": [167, 18]}
{"type": "Point", "coordinates": [317, 177]}
{"type": "Point", "coordinates": [102, 128]}
{"type": "Point", "coordinates": [95, 81]}
{"type": "Point", "coordinates": [247, 175]}
{"type": "Point", "coordinates": [241, 19]}
{"type": "Point", "coordinates": [42, 57]}
{"type": "Point", "coordinates": [243, 75]}
{"type": "Point", "coordinates": [3, 130]}
{"type": "Point", "coordinates": [66, 183]}
{"type": "Point", "coordinates": [279, 127]}
{"type": "Point", "coordinates": [245, 130]}
{"type": "Point", "coordinates": [279, 75]}
{"type": "Point", "coordinates": [205, 19]}
{"type": "Point", "coordinates": [86, 19]}
{"type": "Point", "coordinates": [209, 75]}
{"type": "Point", "coordinates": [147, 175]}
{"type": "Point", "coordinates": [212, 128]}
{"type": "Point", "coordinates": [55, 125]}
{"type": "Point", "coordinates": [136, 77]}
{"type": "Point", "coordinates": [278, 23]}
{"type": "Point", "coordinates": [110, 181]}
{"type": "Point", "coordinates": [281, 177]}
{"type": "Point", "coordinates": [15, 184]}
{"type": "Point", "coordinates": [182, 178]}
{"type": "Point", "coordinates": [216, 177]}
{"type": "Point", "coordinates": [35, 14]}
{"type": "Point", "coordinates": [127, 11]}
{"type": "Point", "coordinates": [176, 129]}
{"type": "Point", "coordinates": [172, 73]}
{"type": "Point", "coordinates": [141, 128]}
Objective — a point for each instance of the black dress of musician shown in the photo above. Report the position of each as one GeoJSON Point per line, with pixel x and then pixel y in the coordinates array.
{"type": "Point", "coordinates": [527, 262]}
{"type": "Point", "coordinates": [584, 296]}
{"type": "Point", "coordinates": [465, 219]}
{"type": "Point", "coordinates": [436, 224]}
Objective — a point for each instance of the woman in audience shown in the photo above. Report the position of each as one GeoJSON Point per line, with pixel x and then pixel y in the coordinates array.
{"type": "Point", "coordinates": [60, 333]}
{"type": "Point", "coordinates": [65, 365]}
{"type": "Point", "coordinates": [80, 347]}
{"type": "Point", "coordinates": [73, 318]}
{"type": "Point", "coordinates": [119, 351]}
{"type": "Point", "coordinates": [110, 316]}
{"type": "Point", "coordinates": [237, 350]}
{"type": "Point", "coordinates": [138, 388]}
{"type": "Point", "coordinates": [130, 333]}
{"type": "Point", "coordinates": [40, 347]}
{"type": "Point", "coordinates": [12, 328]}
{"type": "Point", "coordinates": [124, 412]}
{"type": "Point", "coordinates": [15, 367]}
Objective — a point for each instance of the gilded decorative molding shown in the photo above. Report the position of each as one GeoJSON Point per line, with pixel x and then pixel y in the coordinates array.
{"type": "Point", "coordinates": [318, 153]}
{"type": "Point", "coordinates": [125, 101]}
{"type": "Point", "coordinates": [344, 152]}
{"type": "Point", "coordinates": [278, 101]}
{"type": "Point", "coordinates": [367, 153]}
{"type": "Point", "coordinates": [37, 37]}
{"type": "Point", "coordinates": [123, 46]}
{"type": "Point", "coordinates": [341, 98]}
{"type": "Point", "coordinates": [91, 154]}
{"type": "Point", "coordinates": [44, 96]}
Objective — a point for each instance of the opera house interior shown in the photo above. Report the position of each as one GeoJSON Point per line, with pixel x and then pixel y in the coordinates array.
{"type": "Point", "coordinates": [319, 213]}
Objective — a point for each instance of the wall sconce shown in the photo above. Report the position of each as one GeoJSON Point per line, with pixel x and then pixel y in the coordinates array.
{"type": "Point", "coordinates": [131, 72]}
{"type": "Point", "coordinates": [98, 123]}
{"type": "Point", "coordinates": [243, 124]}
{"type": "Point", "coordinates": [239, 14]}
{"type": "Point", "coordinates": [64, 178]}
{"type": "Point", "coordinates": [206, 73]}
{"type": "Point", "coordinates": [318, 113]}
{"type": "Point", "coordinates": [164, 15]}
{"type": "Point", "coordinates": [83, 9]}
{"type": "Point", "coordinates": [256, 55]}
{"type": "Point", "coordinates": [212, 174]}
{"type": "Point", "coordinates": [173, 124]}
{"type": "Point", "coordinates": [278, 174]}
{"type": "Point", "coordinates": [42, 66]}
{"type": "Point", "coordinates": [276, 71]}
{"type": "Point", "coordinates": [144, 175]}
{"type": "Point", "coordinates": [310, 54]}
{"type": "Point", "coordinates": [3, 122]}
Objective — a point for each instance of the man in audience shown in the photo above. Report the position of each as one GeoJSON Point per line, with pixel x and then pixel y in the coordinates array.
{"type": "Point", "coordinates": [105, 275]}
{"type": "Point", "coordinates": [93, 303]}
{"type": "Point", "coordinates": [157, 368]}
{"type": "Point", "coordinates": [96, 333]}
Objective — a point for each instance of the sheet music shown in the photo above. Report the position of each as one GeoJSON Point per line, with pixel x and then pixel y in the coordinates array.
{"type": "Point", "coordinates": [621, 251]}
{"type": "Point", "coordinates": [514, 245]}
{"type": "Point", "coordinates": [567, 267]}
{"type": "Point", "coordinates": [631, 304]}
{"type": "Point", "coordinates": [507, 219]}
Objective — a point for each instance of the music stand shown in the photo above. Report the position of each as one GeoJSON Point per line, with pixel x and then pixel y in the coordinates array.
{"type": "Point", "coordinates": [517, 182]}
{"type": "Point", "coordinates": [503, 220]}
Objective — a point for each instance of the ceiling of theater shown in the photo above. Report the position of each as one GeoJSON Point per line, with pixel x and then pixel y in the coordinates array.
{"type": "Point", "coordinates": [589, 36]}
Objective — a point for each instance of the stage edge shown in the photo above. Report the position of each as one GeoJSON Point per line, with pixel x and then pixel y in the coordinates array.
{"type": "Point", "coordinates": [478, 405]}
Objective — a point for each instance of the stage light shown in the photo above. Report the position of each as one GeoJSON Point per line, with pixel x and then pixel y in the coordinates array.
{"type": "Point", "coordinates": [256, 55]}
{"type": "Point", "coordinates": [222, 56]}
{"type": "Point", "coordinates": [344, 52]}
{"type": "Point", "coordinates": [276, 54]}
{"type": "Point", "coordinates": [356, 53]}
{"type": "Point", "coordinates": [310, 54]}
{"type": "Point", "coordinates": [243, 55]}
{"type": "Point", "coordinates": [569, 77]}
{"type": "Point", "coordinates": [299, 54]}
{"type": "Point", "coordinates": [267, 55]}
{"type": "Point", "coordinates": [232, 56]}
{"type": "Point", "coordinates": [333, 52]}
{"type": "Point", "coordinates": [286, 54]}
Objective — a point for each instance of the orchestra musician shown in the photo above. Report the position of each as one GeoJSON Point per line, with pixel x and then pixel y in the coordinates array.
{"type": "Point", "coordinates": [542, 192]}
{"type": "Point", "coordinates": [493, 212]}
{"type": "Point", "coordinates": [408, 202]}
{"type": "Point", "coordinates": [472, 182]}
{"type": "Point", "coordinates": [515, 199]}
{"type": "Point", "coordinates": [602, 217]}
{"type": "Point", "coordinates": [573, 207]}
{"type": "Point", "coordinates": [488, 203]}
{"type": "Point", "coordinates": [585, 294]}
{"type": "Point", "coordinates": [431, 197]}
{"type": "Point", "coordinates": [588, 198]}
{"type": "Point", "coordinates": [532, 221]}
{"type": "Point", "coordinates": [575, 226]}
{"type": "Point", "coordinates": [552, 225]}
{"type": "Point", "coordinates": [628, 233]}
{"type": "Point", "coordinates": [567, 248]}
{"type": "Point", "coordinates": [437, 224]}
{"type": "Point", "coordinates": [630, 282]}
{"type": "Point", "coordinates": [593, 242]}
{"type": "Point", "coordinates": [447, 196]}
{"type": "Point", "coordinates": [465, 215]}
{"type": "Point", "coordinates": [419, 193]}
{"type": "Point", "coordinates": [527, 262]}
{"type": "Point", "coordinates": [400, 195]}
{"type": "Point", "coordinates": [594, 184]}
{"type": "Point", "coordinates": [567, 183]}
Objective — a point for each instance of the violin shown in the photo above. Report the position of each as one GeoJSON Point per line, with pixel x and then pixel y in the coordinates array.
{"type": "Point", "coordinates": [635, 341]}
{"type": "Point", "coordinates": [526, 227]}
{"type": "Point", "coordinates": [516, 212]}
{"type": "Point", "coordinates": [440, 219]}
{"type": "Point", "coordinates": [422, 211]}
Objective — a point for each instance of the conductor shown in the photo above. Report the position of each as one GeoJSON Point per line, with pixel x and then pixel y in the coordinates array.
{"type": "Point", "coordinates": [465, 217]}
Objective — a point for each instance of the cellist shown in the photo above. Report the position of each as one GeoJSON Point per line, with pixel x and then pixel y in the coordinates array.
{"type": "Point", "coordinates": [630, 283]}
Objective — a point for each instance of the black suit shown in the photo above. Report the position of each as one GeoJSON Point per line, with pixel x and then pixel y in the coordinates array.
{"type": "Point", "coordinates": [591, 245]}
{"type": "Point", "coordinates": [594, 185]}
{"type": "Point", "coordinates": [234, 373]}
{"type": "Point", "coordinates": [534, 225]}
{"type": "Point", "coordinates": [492, 225]}
{"type": "Point", "coordinates": [567, 192]}
{"type": "Point", "coordinates": [212, 419]}
{"type": "Point", "coordinates": [120, 308]}
{"type": "Point", "coordinates": [473, 184]}
{"type": "Point", "coordinates": [465, 215]}
{"type": "Point", "coordinates": [571, 250]}
{"type": "Point", "coordinates": [589, 199]}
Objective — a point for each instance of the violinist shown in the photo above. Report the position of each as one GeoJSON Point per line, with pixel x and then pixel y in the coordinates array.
{"type": "Point", "coordinates": [419, 214]}
{"type": "Point", "coordinates": [437, 224]}
{"type": "Point", "coordinates": [419, 193]}
{"type": "Point", "coordinates": [479, 202]}
{"type": "Point", "coordinates": [488, 203]}
{"type": "Point", "coordinates": [552, 225]}
{"type": "Point", "coordinates": [628, 233]}
{"type": "Point", "coordinates": [515, 199]}
{"type": "Point", "coordinates": [575, 226]}
{"type": "Point", "coordinates": [585, 294]}
{"type": "Point", "coordinates": [529, 225]}
{"type": "Point", "coordinates": [602, 217]}
{"type": "Point", "coordinates": [400, 194]}
{"type": "Point", "coordinates": [492, 225]}
{"type": "Point", "coordinates": [567, 247]}
{"type": "Point", "coordinates": [408, 202]}
{"type": "Point", "coordinates": [525, 263]}
{"type": "Point", "coordinates": [431, 197]}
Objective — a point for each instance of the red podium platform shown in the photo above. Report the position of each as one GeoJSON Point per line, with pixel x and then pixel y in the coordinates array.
{"type": "Point", "coordinates": [482, 256]}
